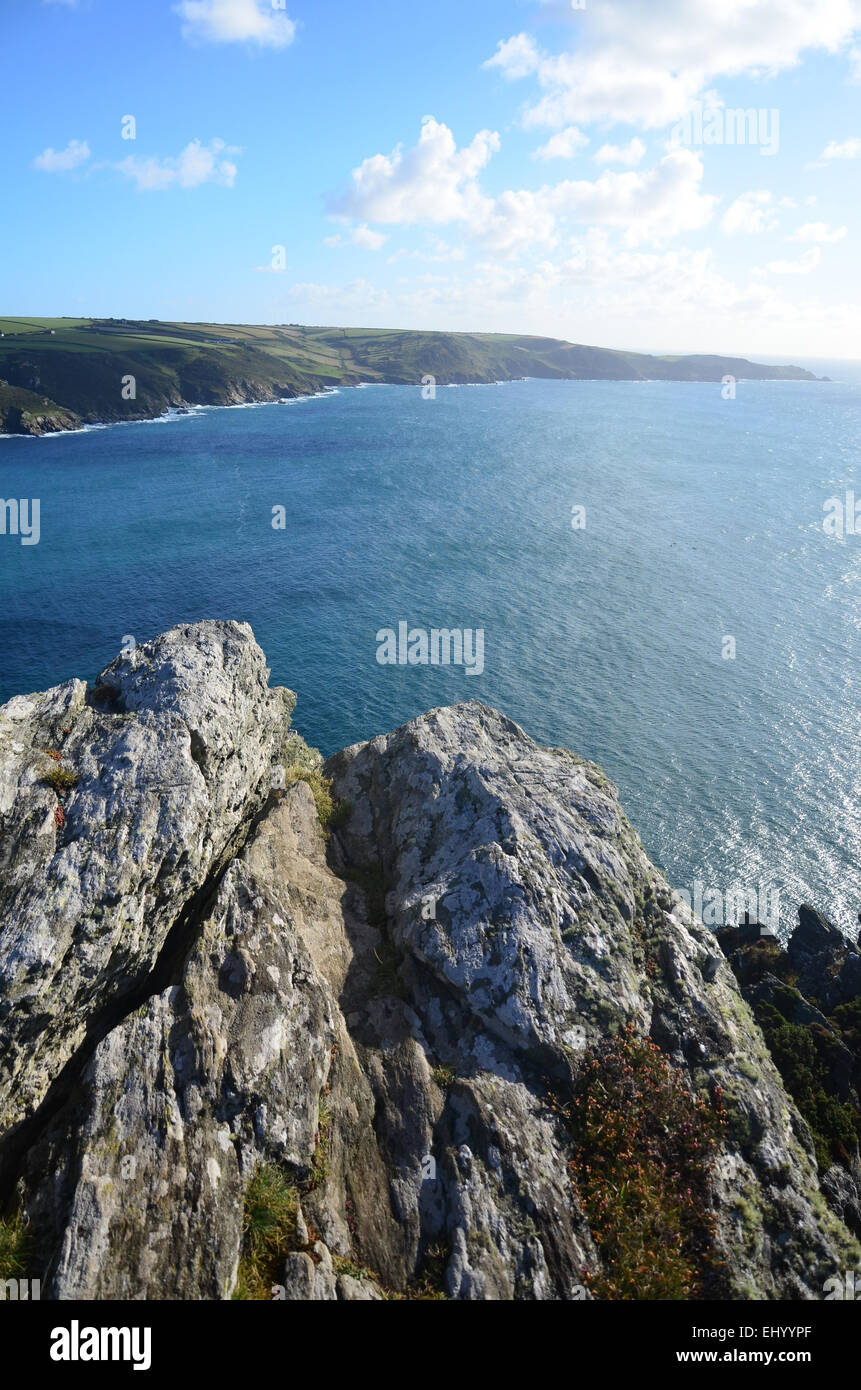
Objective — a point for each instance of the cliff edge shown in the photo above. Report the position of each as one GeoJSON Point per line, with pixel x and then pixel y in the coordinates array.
{"type": "Point", "coordinates": [424, 1022]}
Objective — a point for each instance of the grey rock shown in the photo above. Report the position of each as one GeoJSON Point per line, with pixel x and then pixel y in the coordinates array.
{"type": "Point", "coordinates": [523, 910]}
{"type": "Point", "coordinates": [170, 768]}
{"type": "Point", "coordinates": [310, 1278]}
{"type": "Point", "coordinates": [384, 1020]}
{"type": "Point", "coordinates": [352, 1290]}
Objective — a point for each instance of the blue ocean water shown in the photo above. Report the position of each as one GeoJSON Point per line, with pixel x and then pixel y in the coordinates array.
{"type": "Point", "coordinates": [704, 520]}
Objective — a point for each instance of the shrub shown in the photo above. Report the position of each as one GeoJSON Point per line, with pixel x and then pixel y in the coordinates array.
{"type": "Point", "coordinates": [645, 1146]}
{"type": "Point", "coordinates": [444, 1077]}
{"type": "Point", "coordinates": [847, 1019]}
{"type": "Point", "coordinates": [61, 779]}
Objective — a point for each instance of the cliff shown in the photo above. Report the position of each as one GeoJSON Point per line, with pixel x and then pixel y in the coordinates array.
{"type": "Point", "coordinates": [110, 370]}
{"type": "Point", "coordinates": [25, 412]}
{"type": "Point", "coordinates": [422, 1023]}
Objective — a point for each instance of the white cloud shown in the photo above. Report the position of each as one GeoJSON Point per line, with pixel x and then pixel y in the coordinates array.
{"type": "Point", "coordinates": [50, 161]}
{"type": "Point", "coordinates": [437, 252]}
{"type": "Point", "coordinates": [516, 57]}
{"type": "Point", "coordinates": [629, 154]}
{"type": "Point", "coordinates": [235, 21]}
{"type": "Point", "coordinates": [803, 266]}
{"type": "Point", "coordinates": [436, 183]}
{"type": "Point", "coordinates": [369, 240]}
{"type": "Point", "coordinates": [432, 182]}
{"type": "Point", "coordinates": [649, 206]}
{"type": "Point", "coordinates": [848, 149]}
{"type": "Point", "coordinates": [565, 144]}
{"type": "Point", "coordinates": [751, 213]}
{"type": "Point", "coordinates": [197, 164]}
{"type": "Point", "coordinates": [518, 220]}
{"type": "Point", "coordinates": [819, 232]}
{"type": "Point", "coordinates": [364, 237]}
{"type": "Point", "coordinates": [647, 63]}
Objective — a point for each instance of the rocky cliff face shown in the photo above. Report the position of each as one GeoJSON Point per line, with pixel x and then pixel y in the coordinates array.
{"type": "Point", "coordinates": [25, 412]}
{"type": "Point", "coordinates": [239, 1050]}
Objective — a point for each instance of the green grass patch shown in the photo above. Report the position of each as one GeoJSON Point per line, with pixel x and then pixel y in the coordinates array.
{"type": "Point", "coordinates": [304, 764]}
{"type": "Point", "coordinates": [61, 779]}
{"type": "Point", "coordinates": [320, 1161]}
{"type": "Point", "coordinates": [268, 1233]}
{"type": "Point", "coordinates": [14, 1247]}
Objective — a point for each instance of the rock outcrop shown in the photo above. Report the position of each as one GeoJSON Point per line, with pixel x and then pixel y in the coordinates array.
{"type": "Point", "coordinates": [27, 412]}
{"type": "Point", "coordinates": [240, 1052]}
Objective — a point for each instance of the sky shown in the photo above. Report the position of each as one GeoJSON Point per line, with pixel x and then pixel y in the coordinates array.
{"type": "Point", "coordinates": [659, 175]}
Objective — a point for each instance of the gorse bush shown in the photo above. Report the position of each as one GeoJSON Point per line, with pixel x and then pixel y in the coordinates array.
{"type": "Point", "coordinates": [444, 1077]}
{"type": "Point", "coordinates": [645, 1146]}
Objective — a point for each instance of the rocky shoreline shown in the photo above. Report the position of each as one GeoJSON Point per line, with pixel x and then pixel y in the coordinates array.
{"type": "Point", "coordinates": [376, 1001]}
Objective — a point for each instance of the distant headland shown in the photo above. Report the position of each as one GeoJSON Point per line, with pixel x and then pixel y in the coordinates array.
{"type": "Point", "coordinates": [62, 373]}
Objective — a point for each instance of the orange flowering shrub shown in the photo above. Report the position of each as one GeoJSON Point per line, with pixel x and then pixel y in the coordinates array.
{"type": "Point", "coordinates": [645, 1146]}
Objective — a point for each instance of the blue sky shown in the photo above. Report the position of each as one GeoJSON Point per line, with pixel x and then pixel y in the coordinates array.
{"type": "Point", "coordinates": [510, 165]}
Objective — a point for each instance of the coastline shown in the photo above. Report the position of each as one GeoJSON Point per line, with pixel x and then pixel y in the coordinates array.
{"type": "Point", "coordinates": [192, 408]}
{"type": "Point", "coordinates": [59, 379]}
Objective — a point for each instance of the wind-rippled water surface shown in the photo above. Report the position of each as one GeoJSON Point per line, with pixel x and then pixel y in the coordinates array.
{"type": "Point", "coordinates": [703, 521]}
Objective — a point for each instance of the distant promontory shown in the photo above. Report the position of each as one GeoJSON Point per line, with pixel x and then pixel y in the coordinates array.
{"type": "Point", "coordinates": [62, 373]}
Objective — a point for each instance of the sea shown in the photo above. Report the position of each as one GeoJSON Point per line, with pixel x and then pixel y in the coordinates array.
{"type": "Point", "coordinates": [666, 578]}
